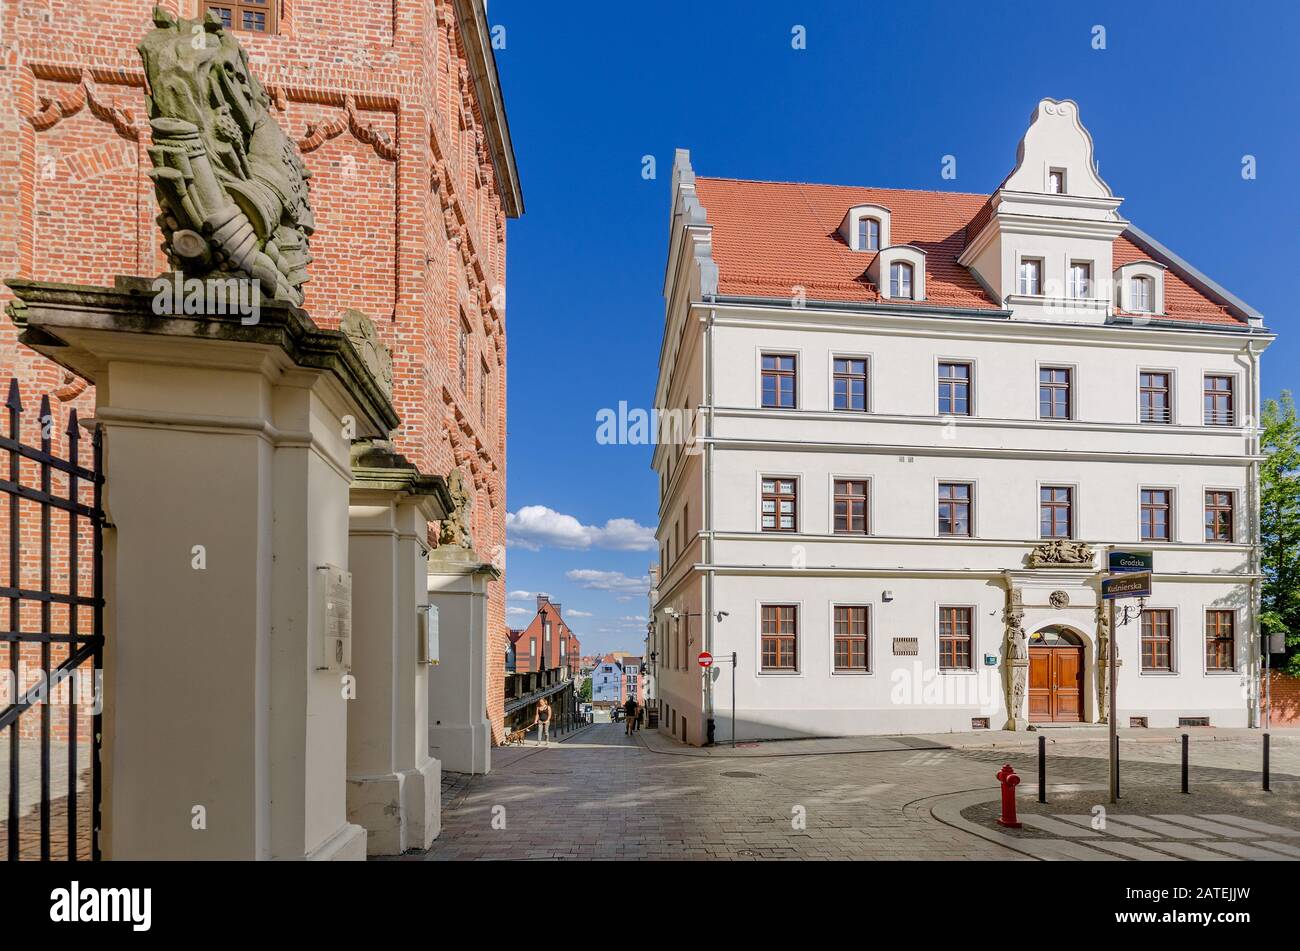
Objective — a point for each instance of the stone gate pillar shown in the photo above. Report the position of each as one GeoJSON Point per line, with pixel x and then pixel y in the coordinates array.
{"type": "Point", "coordinates": [459, 731]}
{"type": "Point", "coordinates": [393, 782]}
{"type": "Point", "coordinates": [226, 460]}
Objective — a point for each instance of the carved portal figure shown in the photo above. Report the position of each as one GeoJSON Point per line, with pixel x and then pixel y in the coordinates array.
{"type": "Point", "coordinates": [1016, 652]}
{"type": "Point", "coordinates": [1103, 663]}
{"type": "Point", "coordinates": [360, 330]}
{"type": "Point", "coordinates": [456, 526]}
{"type": "Point", "coordinates": [1061, 553]}
{"type": "Point", "coordinates": [231, 186]}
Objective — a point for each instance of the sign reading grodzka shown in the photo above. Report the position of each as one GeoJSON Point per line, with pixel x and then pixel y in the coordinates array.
{"type": "Point", "coordinates": [1120, 562]}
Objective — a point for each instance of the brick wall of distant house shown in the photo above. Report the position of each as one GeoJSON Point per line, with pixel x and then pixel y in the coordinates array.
{"type": "Point", "coordinates": [1285, 697]}
{"type": "Point", "coordinates": [410, 228]}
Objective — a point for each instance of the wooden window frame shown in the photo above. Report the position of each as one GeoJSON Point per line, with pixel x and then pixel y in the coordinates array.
{"type": "Point", "coordinates": [848, 376]}
{"type": "Point", "coordinates": [968, 502]}
{"type": "Point", "coordinates": [1053, 505]}
{"type": "Point", "coordinates": [842, 490]}
{"type": "Point", "coordinates": [1148, 414]}
{"type": "Point", "coordinates": [1153, 637]}
{"type": "Point", "coordinates": [271, 8]}
{"type": "Point", "coordinates": [1152, 507]}
{"type": "Point", "coordinates": [776, 496]}
{"type": "Point", "coordinates": [1215, 508]}
{"type": "Point", "coordinates": [844, 619]}
{"type": "Point", "coordinates": [1213, 416]}
{"type": "Point", "coordinates": [952, 382]}
{"type": "Point", "coordinates": [777, 374]}
{"type": "Point", "coordinates": [960, 623]}
{"type": "Point", "coordinates": [1219, 645]}
{"type": "Point", "coordinates": [784, 642]}
{"type": "Point", "coordinates": [1054, 388]}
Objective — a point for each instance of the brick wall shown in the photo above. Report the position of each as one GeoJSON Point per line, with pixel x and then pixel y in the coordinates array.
{"type": "Point", "coordinates": [1285, 694]}
{"type": "Point", "coordinates": [410, 222]}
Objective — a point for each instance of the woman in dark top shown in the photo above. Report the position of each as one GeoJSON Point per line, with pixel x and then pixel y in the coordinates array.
{"type": "Point", "coordinates": [543, 722]}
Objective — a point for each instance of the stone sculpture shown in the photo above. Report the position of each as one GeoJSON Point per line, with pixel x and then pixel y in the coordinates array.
{"type": "Point", "coordinates": [231, 185]}
{"type": "Point", "coordinates": [455, 530]}
{"type": "Point", "coordinates": [1059, 553]}
{"type": "Point", "coordinates": [1016, 652]}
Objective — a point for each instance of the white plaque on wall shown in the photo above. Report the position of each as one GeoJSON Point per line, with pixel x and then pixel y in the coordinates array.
{"type": "Point", "coordinates": [334, 594]}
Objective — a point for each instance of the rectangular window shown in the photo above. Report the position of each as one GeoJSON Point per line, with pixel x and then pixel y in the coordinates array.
{"type": "Point", "coordinates": [900, 280]}
{"type": "Point", "coordinates": [1153, 395]}
{"type": "Point", "coordinates": [1080, 279]}
{"type": "Point", "coordinates": [778, 380]}
{"type": "Point", "coordinates": [1055, 511]}
{"type": "Point", "coordinates": [780, 637]}
{"type": "Point", "coordinates": [1219, 408]}
{"type": "Point", "coordinates": [1218, 516]}
{"type": "Point", "coordinates": [954, 638]}
{"type": "Point", "coordinates": [954, 389]}
{"type": "Point", "coordinates": [1054, 393]}
{"type": "Point", "coordinates": [954, 508]}
{"type": "Point", "coordinates": [482, 391]}
{"type": "Point", "coordinates": [1155, 515]}
{"type": "Point", "coordinates": [850, 507]}
{"type": "Point", "coordinates": [779, 505]}
{"type": "Point", "coordinates": [1056, 181]}
{"type": "Point", "coordinates": [1140, 293]}
{"type": "Point", "coordinates": [851, 639]}
{"type": "Point", "coordinates": [1157, 640]}
{"type": "Point", "coordinates": [850, 384]}
{"type": "Point", "coordinates": [1220, 640]}
{"type": "Point", "coordinates": [1031, 276]}
{"type": "Point", "coordinates": [251, 16]}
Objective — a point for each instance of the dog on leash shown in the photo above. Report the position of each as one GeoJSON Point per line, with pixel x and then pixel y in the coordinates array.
{"type": "Point", "coordinates": [516, 738]}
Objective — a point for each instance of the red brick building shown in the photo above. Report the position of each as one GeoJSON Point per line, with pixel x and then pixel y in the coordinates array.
{"type": "Point", "coordinates": [547, 642]}
{"type": "Point", "coordinates": [398, 114]}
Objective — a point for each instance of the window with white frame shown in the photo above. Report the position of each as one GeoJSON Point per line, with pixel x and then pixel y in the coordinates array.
{"type": "Point", "coordinates": [1080, 279]}
{"type": "Point", "coordinates": [1031, 276]}
{"type": "Point", "coordinates": [1141, 297]}
{"type": "Point", "coordinates": [868, 234]}
{"type": "Point", "coordinates": [900, 280]}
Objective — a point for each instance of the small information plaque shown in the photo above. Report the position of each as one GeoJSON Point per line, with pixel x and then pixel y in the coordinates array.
{"type": "Point", "coordinates": [335, 601]}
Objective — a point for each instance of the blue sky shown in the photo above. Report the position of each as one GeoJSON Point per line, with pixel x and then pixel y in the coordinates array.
{"type": "Point", "coordinates": [879, 95]}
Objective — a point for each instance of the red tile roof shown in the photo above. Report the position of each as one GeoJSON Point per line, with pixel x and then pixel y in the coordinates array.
{"type": "Point", "coordinates": [771, 237]}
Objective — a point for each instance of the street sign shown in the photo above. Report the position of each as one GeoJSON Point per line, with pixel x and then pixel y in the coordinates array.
{"type": "Point", "coordinates": [1136, 585]}
{"type": "Point", "coordinates": [706, 659]}
{"type": "Point", "coordinates": [1127, 561]}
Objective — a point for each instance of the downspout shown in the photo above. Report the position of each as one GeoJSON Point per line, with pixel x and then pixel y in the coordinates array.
{"type": "Point", "coordinates": [1259, 660]}
{"type": "Point", "coordinates": [707, 523]}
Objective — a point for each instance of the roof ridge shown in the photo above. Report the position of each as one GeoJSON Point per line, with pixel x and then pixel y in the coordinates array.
{"type": "Point", "coordinates": [879, 188]}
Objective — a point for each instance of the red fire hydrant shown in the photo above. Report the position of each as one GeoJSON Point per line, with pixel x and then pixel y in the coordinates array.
{"type": "Point", "coordinates": [1009, 780]}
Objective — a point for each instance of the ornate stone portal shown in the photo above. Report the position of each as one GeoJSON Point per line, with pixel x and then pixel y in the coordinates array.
{"type": "Point", "coordinates": [232, 187]}
{"type": "Point", "coordinates": [1016, 652]}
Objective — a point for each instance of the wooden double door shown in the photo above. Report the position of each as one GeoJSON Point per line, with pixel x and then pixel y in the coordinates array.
{"type": "Point", "coordinates": [1055, 677]}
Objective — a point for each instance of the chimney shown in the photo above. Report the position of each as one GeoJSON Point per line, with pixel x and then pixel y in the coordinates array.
{"type": "Point", "coordinates": [556, 605]}
{"type": "Point", "coordinates": [542, 599]}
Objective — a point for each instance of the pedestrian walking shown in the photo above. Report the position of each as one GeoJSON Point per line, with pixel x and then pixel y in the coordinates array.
{"type": "Point", "coordinates": [640, 715]}
{"type": "Point", "coordinates": [629, 714]}
{"type": "Point", "coordinates": [543, 722]}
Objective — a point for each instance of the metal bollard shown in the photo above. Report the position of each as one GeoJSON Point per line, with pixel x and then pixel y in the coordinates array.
{"type": "Point", "coordinates": [1117, 767]}
{"type": "Point", "coordinates": [1266, 789]}
{"type": "Point", "coordinates": [1042, 768]}
{"type": "Point", "coordinates": [1184, 762]}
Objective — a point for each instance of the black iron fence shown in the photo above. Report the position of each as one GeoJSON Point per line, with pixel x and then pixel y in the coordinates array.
{"type": "Point", "coordinates": [51, 510]}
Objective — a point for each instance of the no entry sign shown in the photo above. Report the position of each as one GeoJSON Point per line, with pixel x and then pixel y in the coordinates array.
{"type": "Point", "coordinates": [706, 659]}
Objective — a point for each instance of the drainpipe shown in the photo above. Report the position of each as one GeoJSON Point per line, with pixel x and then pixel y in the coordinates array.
{"type": "Point", "coordinates": [707, 524]}
{"type": "Point", "coordinates": [1259, 662]}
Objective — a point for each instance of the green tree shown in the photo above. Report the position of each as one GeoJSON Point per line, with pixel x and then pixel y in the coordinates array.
{"type": "Point", "coordinates": [1279, 525]}
{"type": "Point", "coordinates": [584, 691]}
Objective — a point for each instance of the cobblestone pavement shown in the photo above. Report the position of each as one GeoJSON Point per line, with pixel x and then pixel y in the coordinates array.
{"type": "Point", "coordinates": [602, 795]}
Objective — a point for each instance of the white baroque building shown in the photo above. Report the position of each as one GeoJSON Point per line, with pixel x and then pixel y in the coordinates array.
{"type": "Point", "coordinates": [903, 428]}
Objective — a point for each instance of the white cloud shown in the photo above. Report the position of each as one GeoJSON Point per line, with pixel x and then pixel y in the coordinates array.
{"type": "Point", "coordinates": [581, 614]}
{"type": "Point", "coordinates": [513, 611]}
{"type": "Point", "coordinates": [537, 526]}
{"type": "Point", "coordinates": [521, 595]}
{"type": "Point", "coordinates": [597, 580]}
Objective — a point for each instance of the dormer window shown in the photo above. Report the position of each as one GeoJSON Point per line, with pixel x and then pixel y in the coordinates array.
{"type": "Point", "coordinates": [1031, 276]}
{"type": "Point", "coordinates": [1080, 279]}
{"type": "Point", "coordinates": [1140, 294]}
{"type": "Point", "coordinates": [868, 234]}
{"type": "Point", "coordinates": [900, 280]}
{"type": "Point", "coordinates": [1056, 181]}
